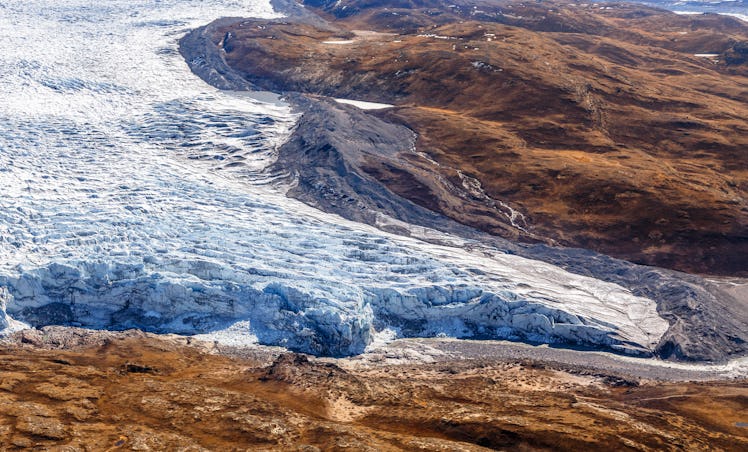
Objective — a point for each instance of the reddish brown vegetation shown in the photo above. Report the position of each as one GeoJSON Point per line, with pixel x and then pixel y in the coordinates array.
{"type": "Point", "coordinates": [139, 393]}
{"type": "Point", "coordinates": [600, 125]}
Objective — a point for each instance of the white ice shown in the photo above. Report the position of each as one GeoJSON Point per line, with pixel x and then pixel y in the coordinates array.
{"type": "Point", "coordinates": [134, 195]}
{"type": "Point", "coordinates": [363, 105]}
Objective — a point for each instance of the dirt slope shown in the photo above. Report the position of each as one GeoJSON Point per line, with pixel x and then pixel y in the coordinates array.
{"type": "Point", "coordinates": [126, 391]}
{"type": "Point", "coordinates": [599, 125]}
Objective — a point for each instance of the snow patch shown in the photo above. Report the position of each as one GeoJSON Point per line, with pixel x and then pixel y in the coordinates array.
{"type": "Point", "coordinates": [239, 334]}
{"type": "Point", "coordinates": [435, 36]}
{"type": "Point", "coordinates": [743, 17]}
{"type": "Point", "coordinates": [364, 105]}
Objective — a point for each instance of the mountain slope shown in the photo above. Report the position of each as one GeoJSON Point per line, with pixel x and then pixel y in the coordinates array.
{"type": "Point", "coordinates": [590, 127]}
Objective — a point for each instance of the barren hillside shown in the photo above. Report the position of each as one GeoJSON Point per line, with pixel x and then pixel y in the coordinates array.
{"type": "Point", "coordinates": [619, 128]}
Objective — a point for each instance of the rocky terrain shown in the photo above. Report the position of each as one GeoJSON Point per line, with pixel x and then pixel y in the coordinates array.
{"type": "Point", "coordinates": [408, 165]}
{"type": "Point", "coordinates": [617, 128]}
{"type": "Point", "coordinates": [82, 390]}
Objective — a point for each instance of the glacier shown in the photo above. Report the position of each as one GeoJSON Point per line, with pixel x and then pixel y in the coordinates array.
{"type": "Point", "coordinates": [134, 195]}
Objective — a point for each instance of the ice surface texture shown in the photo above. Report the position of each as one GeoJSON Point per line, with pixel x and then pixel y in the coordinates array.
{"type": "Point", "coordinates": [133, 195]}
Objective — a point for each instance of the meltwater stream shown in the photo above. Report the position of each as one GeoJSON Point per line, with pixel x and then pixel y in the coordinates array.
{"type": "Point", "coordinates": [132, 195]}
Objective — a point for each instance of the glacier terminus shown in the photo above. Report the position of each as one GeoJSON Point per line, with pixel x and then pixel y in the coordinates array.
{"type": "Point", "coordinates": [135, 195]}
